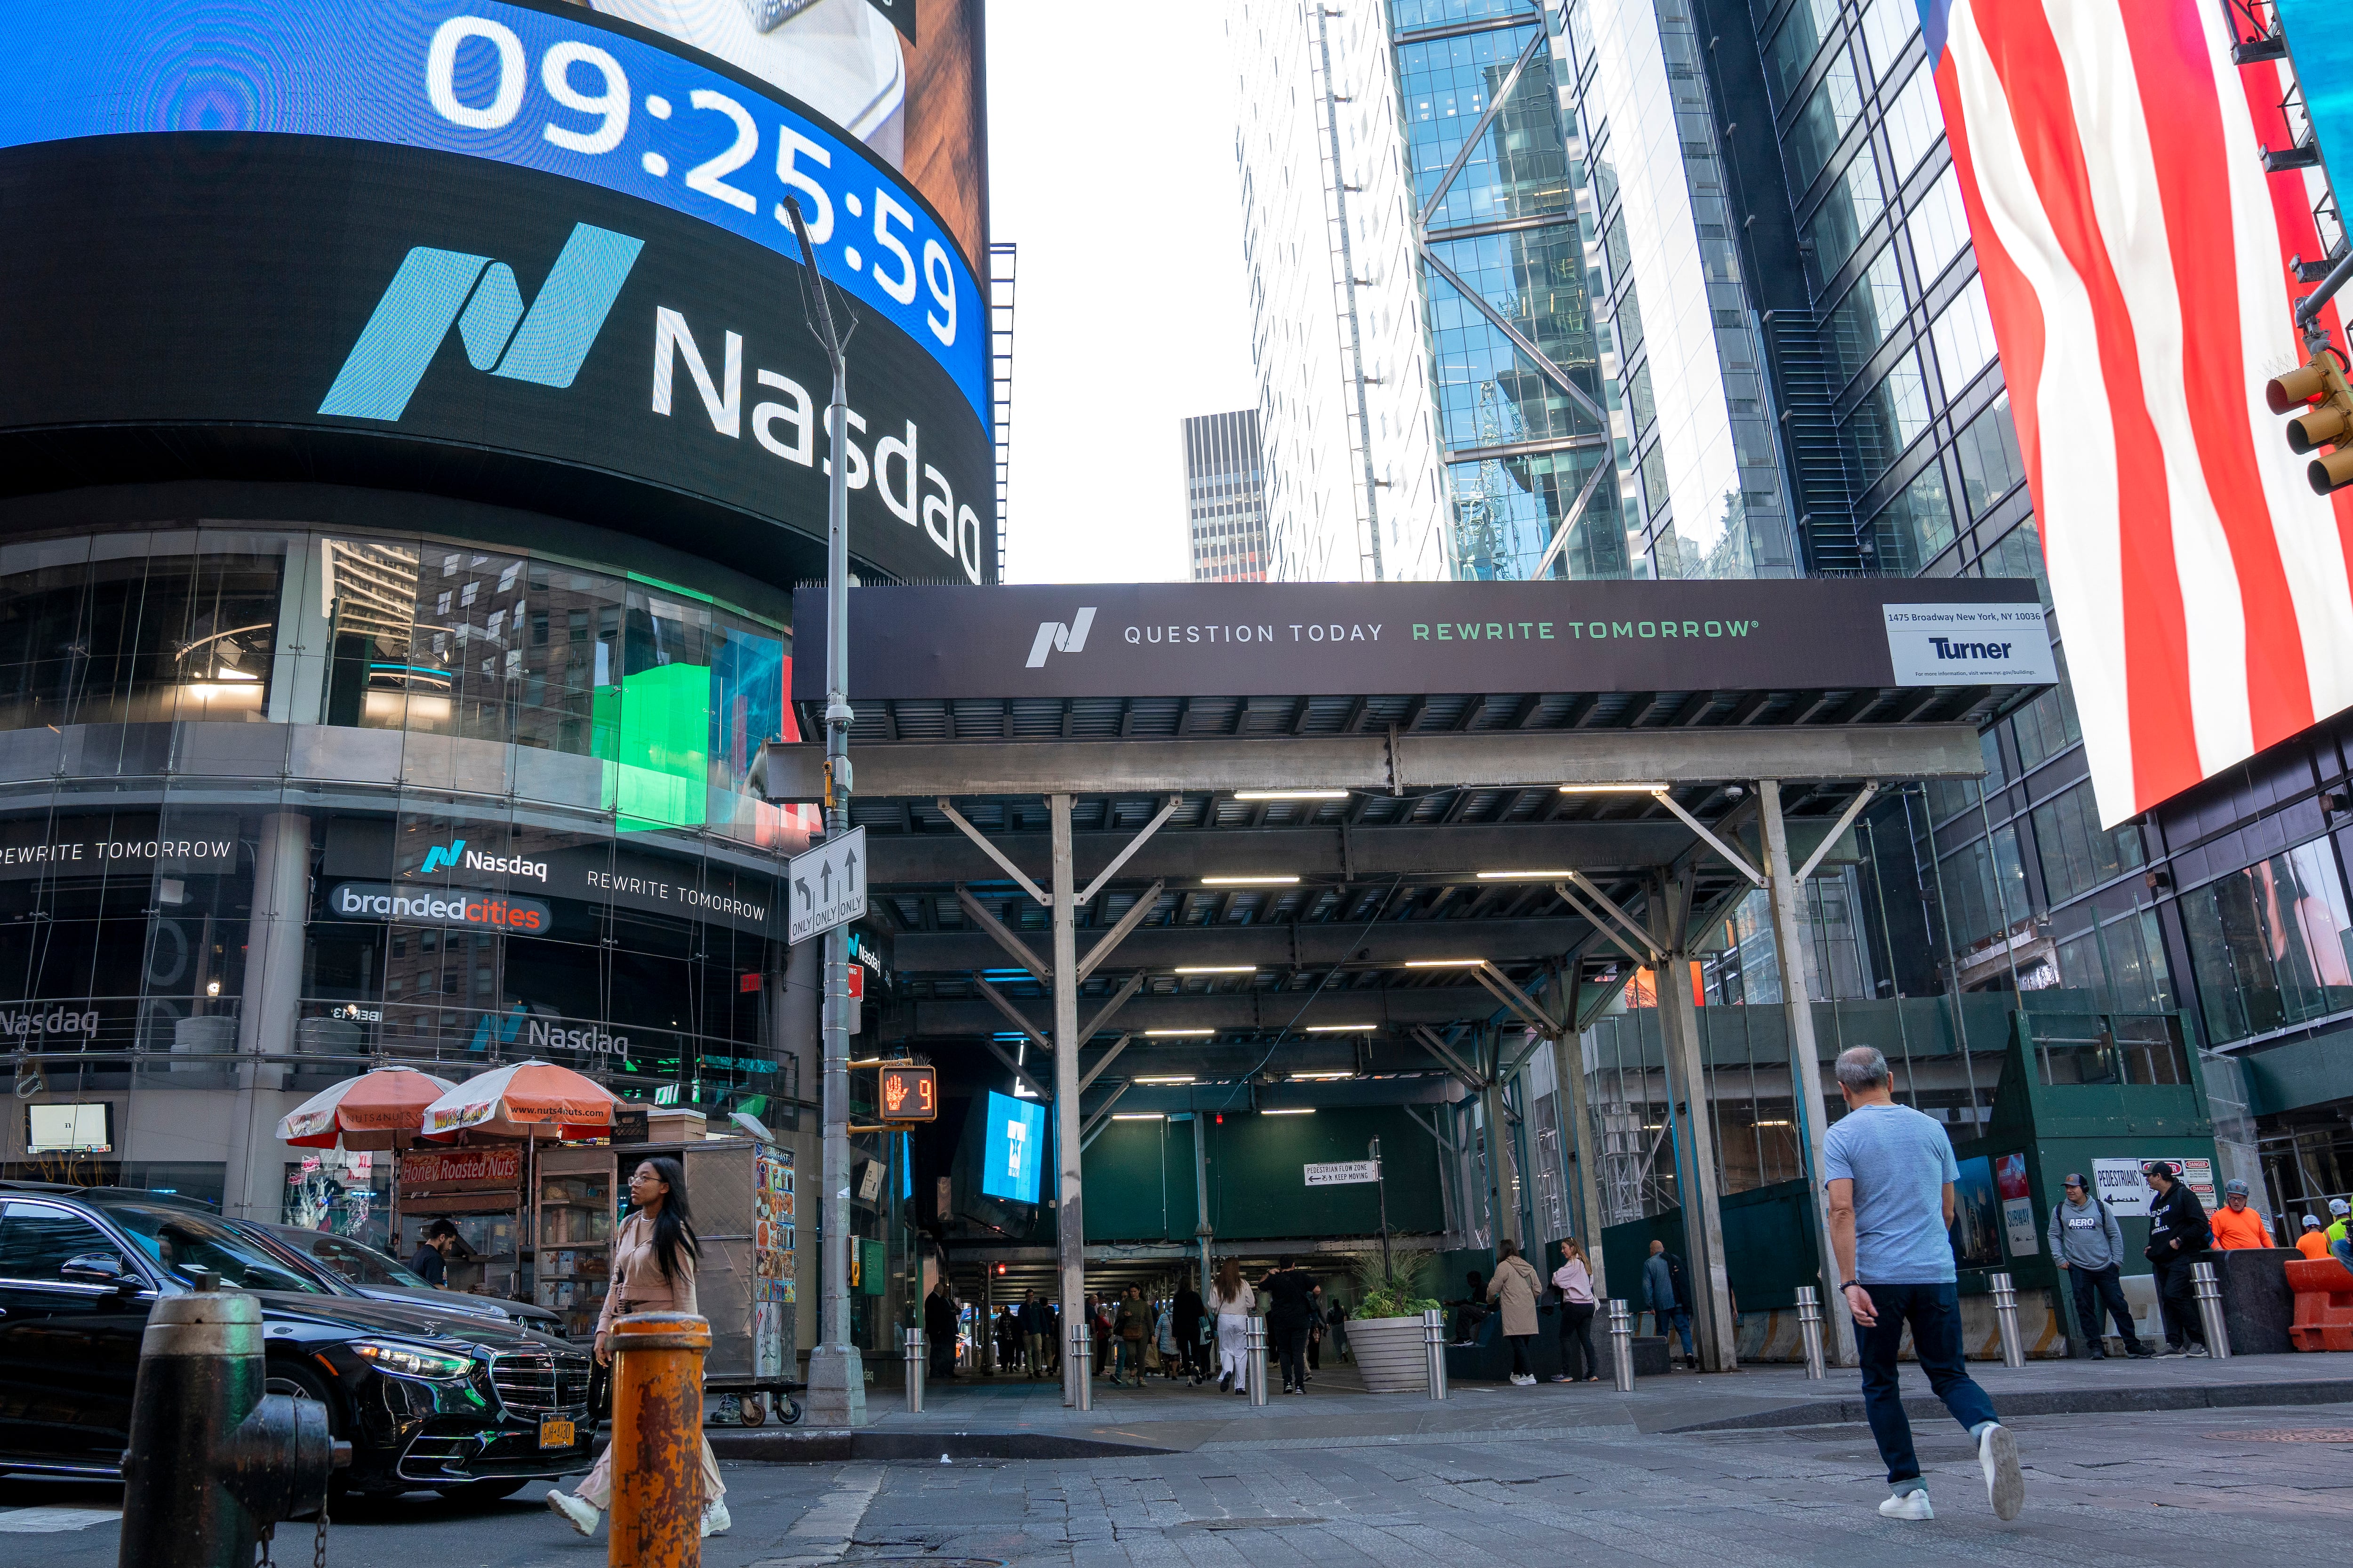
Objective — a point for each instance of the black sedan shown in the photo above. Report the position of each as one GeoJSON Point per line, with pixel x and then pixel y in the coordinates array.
{"type": "Point", "coordinates": [429, 1399]}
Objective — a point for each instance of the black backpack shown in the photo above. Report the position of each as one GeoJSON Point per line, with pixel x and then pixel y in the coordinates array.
{"type": "Point", "coordinates": [1681, 1282]}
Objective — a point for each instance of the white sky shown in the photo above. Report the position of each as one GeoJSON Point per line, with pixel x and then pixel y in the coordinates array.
{"type": "Point", "coordinates": [1110, 145]}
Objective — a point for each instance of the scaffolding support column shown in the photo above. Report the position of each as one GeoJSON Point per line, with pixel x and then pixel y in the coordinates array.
{"type": "Point", "coordinates": [1805, 1066]}
{"type": "Point", "coordinates": [1070, 1226]}
{"type": "Point", "coordinates": [1679, 1037]}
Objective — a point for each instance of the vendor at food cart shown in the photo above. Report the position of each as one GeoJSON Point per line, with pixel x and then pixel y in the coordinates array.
{"type": "Point", "coordinates": [431, 1262]}
{"type": "Point", "coordinates": [653, 1271]}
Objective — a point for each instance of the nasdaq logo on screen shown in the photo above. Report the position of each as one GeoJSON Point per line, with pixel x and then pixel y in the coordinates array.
{"type": "Point", "coordinates": [438, 289]}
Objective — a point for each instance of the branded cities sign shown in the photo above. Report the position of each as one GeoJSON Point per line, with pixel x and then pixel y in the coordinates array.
{"type": "Point", "coordinates": [827, 887]}
{"type": "Point", "coordinates": [1152, 639]}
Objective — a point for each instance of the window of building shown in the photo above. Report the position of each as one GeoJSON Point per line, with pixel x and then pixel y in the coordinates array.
{"type": "Point", "coordinates": [1822, 124]}
{"type": "Point", "coordinates": [2271, 945]}
{"type": "Point", "coordinates": [2122, 960]}
{"type": "Point", "coordinates": [1638, 401]}
{"type": "Point", "coordinates": [2018, 553]}
{"type": "Point", "coordinates": [1886, 420]}
{"type": "Point", "coordinates": [1629, 318]}
{"type": "Point", "coordinates": [1915, 120]}
{"type": "Point", "coordinates": [1963, 333]}
{"type": "Point", "coordinates": [2047, 726]}
{"type": "Point", "coordinates": [1939, 227]}
{"type": "Point", "coordinates": [1865, 316]}
{"type": "Point", "coordinates": [139, 628]}
{"type": "Point", "coordinates": [1917, 526]}
{"type": "Point", "coordinates": [1888, 27]}
{"type": "Point", "coordinates": [1849, 207]}
{"type": "Point", "coordinates": [1796, 42]}
{"type": "Point", "coordinates": [1985, 888]}
{"type": "Point", "coordinates": [1991, 465]}
{"type": "Point", "coordinates": [2076, 854]}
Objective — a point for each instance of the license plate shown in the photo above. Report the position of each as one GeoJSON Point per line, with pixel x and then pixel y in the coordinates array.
{"type": "Point", "coordinates": [555, 1434]}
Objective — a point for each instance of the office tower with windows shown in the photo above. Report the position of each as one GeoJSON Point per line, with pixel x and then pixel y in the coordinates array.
{"type": "Point", "coordinates": [2217, 918]}
{"type": "Point", "coordinates": [1225, 499]}
{"type": "Point", "coordinates": [1354, 490]}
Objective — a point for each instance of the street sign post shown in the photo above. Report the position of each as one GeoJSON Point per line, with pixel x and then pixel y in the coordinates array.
{"type": "Point", "coordinates": [1343, 1172]}
{"type": "Point", "coordinates": [827, 886]}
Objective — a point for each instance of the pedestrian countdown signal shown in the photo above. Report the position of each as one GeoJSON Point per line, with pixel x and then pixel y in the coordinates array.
{"type": "Point", "coordinates": [910, 1094]}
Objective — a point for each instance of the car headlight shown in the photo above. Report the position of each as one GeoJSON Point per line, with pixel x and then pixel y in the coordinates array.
{"type": "Point", "coordinates": [413, 1360]}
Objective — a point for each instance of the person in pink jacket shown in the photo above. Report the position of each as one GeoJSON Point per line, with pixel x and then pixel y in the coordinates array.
{"type": "Point", "coordinates": [1574, 1281]}
{"type": "Point", "coordinates": [653, 1271]}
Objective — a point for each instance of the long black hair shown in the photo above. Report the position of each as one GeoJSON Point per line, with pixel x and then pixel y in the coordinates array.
{"type": "Point", "coordinates": [674, 1226]}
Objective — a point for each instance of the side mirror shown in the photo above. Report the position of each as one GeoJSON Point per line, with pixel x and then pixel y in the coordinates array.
{"type": "Point", "coordinates": [96, 1268]}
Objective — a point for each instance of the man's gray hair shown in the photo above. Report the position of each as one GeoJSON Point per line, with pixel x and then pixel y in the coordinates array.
{"type": "Point", "coordinates": [1863, 1067]}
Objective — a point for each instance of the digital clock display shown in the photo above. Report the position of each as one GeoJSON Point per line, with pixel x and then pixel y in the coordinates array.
{"type": "Point", "coordinates": [556, 90]}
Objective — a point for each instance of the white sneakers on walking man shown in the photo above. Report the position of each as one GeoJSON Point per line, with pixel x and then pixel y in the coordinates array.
{"type": "Point", "coordinates": [2005, 1482]}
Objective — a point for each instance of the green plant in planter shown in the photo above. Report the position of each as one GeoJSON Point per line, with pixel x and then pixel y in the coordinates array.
{"type": "Point", "coordinates": [1394, 1290]}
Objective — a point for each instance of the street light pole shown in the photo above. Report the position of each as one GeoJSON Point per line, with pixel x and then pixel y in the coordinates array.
{"type": "Point", "coordinates": [837, 1376]}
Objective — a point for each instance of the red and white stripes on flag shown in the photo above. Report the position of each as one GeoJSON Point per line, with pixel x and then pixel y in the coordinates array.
{"type": "Point", "coordinates": [2133, 255]}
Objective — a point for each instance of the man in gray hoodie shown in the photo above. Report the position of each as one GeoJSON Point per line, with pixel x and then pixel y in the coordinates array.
{"type": "Point", "coordinates": [2086, 1241]}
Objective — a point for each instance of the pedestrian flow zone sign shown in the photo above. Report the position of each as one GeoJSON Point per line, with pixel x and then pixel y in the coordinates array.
{"type": "Point", "coordinates": [1343, 1173]}
{"type": "Point", "coordinates": [827, 886]}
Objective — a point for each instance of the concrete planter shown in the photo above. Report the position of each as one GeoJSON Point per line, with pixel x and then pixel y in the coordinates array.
{"type": "Point", "coordinates": [1390, 1355]}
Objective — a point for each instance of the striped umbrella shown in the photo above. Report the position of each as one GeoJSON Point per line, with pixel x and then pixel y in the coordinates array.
{"type": "Point", "coordinates": [374, 1110]}
{"type": "Point", "coordinates": [528, 1098]}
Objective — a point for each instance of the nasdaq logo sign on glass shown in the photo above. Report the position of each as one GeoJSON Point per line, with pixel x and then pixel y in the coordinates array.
{"type": "Point", "coordinates": [438, 289]}
{"type": "Point", "coordinates": [454, 855]}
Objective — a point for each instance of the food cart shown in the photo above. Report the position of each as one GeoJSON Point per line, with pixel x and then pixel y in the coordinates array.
{"type": "Point", "coordinates": [479, 1189]}
{"type": "Point", "coordinates": [745, 1224]}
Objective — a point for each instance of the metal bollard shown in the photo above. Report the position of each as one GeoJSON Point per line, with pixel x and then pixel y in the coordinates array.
{"type": "Point", "coordinates": [915, 1372]}
{"type": "Point", "coordinates": [1254, 1360]}
{"type": "Point", "coordinates": [1621, 1344]}
{"type": "Point", "coordinates": [213, 1460]}
{"type": "Point", "coordinates": [1433, 1349]}
{"type": "Point", "coordinates": [1081, 1359]}
{"type": "Point", "coordinates": [2005, 1316]}
{"type": "Point", "coordinates": [1810, 1329]}
{"type": "Point", "coordinates": [2208, 1290]}
{"type": "Point", "coordinates": [656, 1440]}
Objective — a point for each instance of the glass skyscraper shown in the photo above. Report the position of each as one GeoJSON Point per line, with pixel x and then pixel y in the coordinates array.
{"type": "Point", "coordinates": [1225, 499]}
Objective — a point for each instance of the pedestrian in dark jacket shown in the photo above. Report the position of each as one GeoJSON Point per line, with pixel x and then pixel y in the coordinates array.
{"type": "Point", "coordinates": [1037, 1333]}
{"type": "Point", "coordinates": [1666, 1292]}
{"type": "Point", "coordinates": [2087, 1243]}
{"type": "Point", "coordinates": [1186, 1318]}
{"type": "Point", "coordinates": [2179, 1235]}
{"type": "Point", "coordinates": [939, 1316]}
{"type": "Point", "coordinates": [1290, 1312]}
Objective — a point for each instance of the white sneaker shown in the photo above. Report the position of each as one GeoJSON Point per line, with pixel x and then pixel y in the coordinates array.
{"type": "Point", "coordinates": [1911, 1505]}
{"type": "Point", "coordinates": [1526, 1380]}
{"type": "Point", "coordinates": [2005, 1483]}
{"type": "Point", "coordinates": [579, 1510]}
{"type": "Point", "coordinates": [714, 1519]}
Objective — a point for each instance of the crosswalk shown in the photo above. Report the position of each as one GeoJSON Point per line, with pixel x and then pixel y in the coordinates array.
{"type": "Point", "coordinates": [53, 1521]}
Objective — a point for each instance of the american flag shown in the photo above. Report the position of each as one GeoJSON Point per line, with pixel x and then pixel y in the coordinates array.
{"type": "Point", "coordinates": [2134, 260]}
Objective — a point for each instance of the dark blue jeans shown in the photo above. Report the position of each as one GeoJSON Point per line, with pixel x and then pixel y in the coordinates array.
{"type": "Point", "coordinates": [1935, 1313]}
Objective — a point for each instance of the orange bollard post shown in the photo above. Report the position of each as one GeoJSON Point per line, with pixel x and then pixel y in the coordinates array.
{"type": "Point", "coordinates": [656, 1440]}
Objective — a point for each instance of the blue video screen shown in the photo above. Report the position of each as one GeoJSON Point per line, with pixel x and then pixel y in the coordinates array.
{"type": "Point", "coordinates": [1015, 1150]}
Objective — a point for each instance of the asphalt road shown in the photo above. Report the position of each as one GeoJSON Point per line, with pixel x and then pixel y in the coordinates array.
{"type": "Point", "coordinates": [2203, 1489]}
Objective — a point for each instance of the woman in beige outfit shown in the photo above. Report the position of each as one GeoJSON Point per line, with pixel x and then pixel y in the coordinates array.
{"type": "Point", "coordinates": [653, 1271]}
{"type": "Point", "coordinates": [1514, 1288]}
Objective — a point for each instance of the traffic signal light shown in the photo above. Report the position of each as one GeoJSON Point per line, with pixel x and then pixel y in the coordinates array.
{"type": "Point", "coordinates": [909, 1094]}
{"type": "Point", "coordinates": [2319, 389]}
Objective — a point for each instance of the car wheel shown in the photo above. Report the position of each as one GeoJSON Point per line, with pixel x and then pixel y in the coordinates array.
{"type": "Point", "coordinates": [486, 1491]}
{"type": "Point", "coordinates": [298, 1381]}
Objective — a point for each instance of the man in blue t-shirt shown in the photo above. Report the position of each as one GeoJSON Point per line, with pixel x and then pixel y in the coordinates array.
{"type": "Point", "coordinates": [1891, 1173]}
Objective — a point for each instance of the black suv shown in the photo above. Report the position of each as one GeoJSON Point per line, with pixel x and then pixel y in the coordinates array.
{"type": "Point", "coordinates": [429, 1399]}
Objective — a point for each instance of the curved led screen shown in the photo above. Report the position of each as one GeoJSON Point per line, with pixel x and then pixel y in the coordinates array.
{"type": "Point", "coordinates": [544, 238]}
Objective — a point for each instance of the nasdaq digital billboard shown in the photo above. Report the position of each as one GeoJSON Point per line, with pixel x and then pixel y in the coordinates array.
{"type": "Point", "coordinates": [1013, 1154]}
{"type": "Point", "coordinates": [522, 252]}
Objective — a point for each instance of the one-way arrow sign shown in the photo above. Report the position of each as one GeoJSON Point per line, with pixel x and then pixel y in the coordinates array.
{"type": "Point", "coordinates": [828, 886]}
